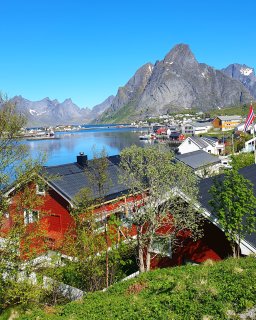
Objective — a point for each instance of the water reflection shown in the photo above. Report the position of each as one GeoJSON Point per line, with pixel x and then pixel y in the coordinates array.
{"type": "Point", "coordinates": [65, 149]}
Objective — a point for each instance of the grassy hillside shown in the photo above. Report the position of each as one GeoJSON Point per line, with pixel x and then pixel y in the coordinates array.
{"type": "Point", "coordinates": [209, 291]}
{"type": "Point", "coordinates": [128, 114]}
{"type": "Point", "coordinates": [123, 115]}
{"type": "Point", "coordinates": [237, 110]}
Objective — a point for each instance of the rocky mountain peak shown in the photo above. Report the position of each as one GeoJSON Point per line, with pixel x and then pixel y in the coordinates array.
{"type": "Point", "coordinates": [181, 55]}
{"type": "Point", "coordinates": [244, 74]}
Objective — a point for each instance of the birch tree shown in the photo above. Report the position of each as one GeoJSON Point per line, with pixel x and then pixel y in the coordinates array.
{"type": "Point", "coordinates": [158, 187]}
{"type": "Point", "coordinates": [234, 203]}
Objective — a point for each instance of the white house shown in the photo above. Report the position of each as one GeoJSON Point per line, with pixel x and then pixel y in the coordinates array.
{"type": "Point", "coordinates": [249, 145]}
{"type": "Point", "coordinates": [209, 145]}
{"type": "Point", "coordinates": [240, 127]}
{"type": "Point", "coordinates": [196, 127]}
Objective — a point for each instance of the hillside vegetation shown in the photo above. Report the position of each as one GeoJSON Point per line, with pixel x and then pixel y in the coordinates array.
{"type": "Point", "coordinates": [209, 291]}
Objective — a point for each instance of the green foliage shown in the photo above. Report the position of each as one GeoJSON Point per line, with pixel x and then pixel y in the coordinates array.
{"type": "Point", "coordinates": [151, 174]}
{"type": "Point", "coordinates": [189, 292]}
{"type": "Point", "coordinates": [18, 243]}
{"type": "Point", "coordinates": [242, 160]}
{"type": "Point", "coordinates": [234, 203]}
{"type": "Point", "coordinates": [88, 274]}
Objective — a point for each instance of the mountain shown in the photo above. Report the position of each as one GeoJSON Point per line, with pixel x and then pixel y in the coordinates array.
{"type": "Point", "coordinates": [52, 112]}
{"type": "Point", "coordinates": [100, 108]}
{"type": "Point", "coordinates": [244, 74]}
{"type": "Point", "coordinates": [174, 83]}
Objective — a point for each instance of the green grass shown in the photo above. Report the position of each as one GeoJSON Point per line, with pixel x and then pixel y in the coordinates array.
{"type": "Point", "coordinates": [236, 110]}
{"type": "Point", "coordinates": [123, 115]}
{"type": "Point", "coordinates": [209, 291]}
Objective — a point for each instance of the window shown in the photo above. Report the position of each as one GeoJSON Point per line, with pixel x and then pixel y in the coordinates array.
{"type": "Point", "coordinates": [101, 224]}
{"type": "Point", "coordinates": [30, 216]}
{"type": "Point", "coordinates": [125, 219]}
{"type": "Point", "coordinates": [40, 189]}
{"type": "Point", "coordinates": [162, 246]}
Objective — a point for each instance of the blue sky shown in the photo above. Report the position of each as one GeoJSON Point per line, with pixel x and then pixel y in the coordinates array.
{"type": "Point", "coordinates": [85, 50]}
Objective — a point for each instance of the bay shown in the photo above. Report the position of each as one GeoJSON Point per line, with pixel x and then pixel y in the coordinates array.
{"type": "Point", "coordinates": [67, 147]}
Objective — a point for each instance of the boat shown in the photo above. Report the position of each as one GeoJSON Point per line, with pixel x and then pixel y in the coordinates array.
{"type": "Point", "coordinates": [150, 136]}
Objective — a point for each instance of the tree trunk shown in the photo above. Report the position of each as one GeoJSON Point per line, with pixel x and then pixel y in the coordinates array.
{"type": "Point", "coordinates": [141, 260]}
{"type": "Point", "coordinates": [148, 260]}
{"type": "Point", "coordinates": [140, 250]}
{"type": "Point", "coordinates": [107, 263]}
{"type": "Point", "coordinates": [148, 257]}
{"type": "Point", "coordinates": [238, 248]}
{"type": "Point", "coordinates": [233, 245]}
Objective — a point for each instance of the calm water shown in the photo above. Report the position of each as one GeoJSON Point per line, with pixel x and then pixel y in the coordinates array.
{"type": "Point", "coordinates": [65, 149]}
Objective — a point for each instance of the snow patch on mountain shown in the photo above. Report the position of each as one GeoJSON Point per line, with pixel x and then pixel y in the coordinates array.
{"type": "Point", "coordinates": [246, 71]}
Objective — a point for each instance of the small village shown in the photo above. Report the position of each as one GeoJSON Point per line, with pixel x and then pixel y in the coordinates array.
{"type": "Point", "coordinates": [127, 160]}
{"type": "Point", "coordinates": [106, 200]}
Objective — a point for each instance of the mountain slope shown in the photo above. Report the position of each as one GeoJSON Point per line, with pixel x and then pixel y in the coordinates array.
{"type": "Point", "coordinates": [129, 94]}
{"type": "Point", "coordinates": [176, 82]}
{"type": "Point", "coordinates": [244, 74]}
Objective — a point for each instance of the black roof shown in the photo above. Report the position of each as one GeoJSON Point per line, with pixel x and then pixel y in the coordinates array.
{"type": "Point", "coordinates": [69, 179]}
{"type": "Point", "coordinates": [197, 159]}
{"type": "Point", "coordinates": [248, 172]}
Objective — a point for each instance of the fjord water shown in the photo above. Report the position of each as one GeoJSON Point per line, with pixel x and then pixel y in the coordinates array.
{"type": "Point", "coordinates": [65, 149]}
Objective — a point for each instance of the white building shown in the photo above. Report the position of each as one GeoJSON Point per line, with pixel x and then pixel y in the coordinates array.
{"type": "Point", "coordinates": [196, 128]}
{"type": "Point", "coordinates": [209, 145]}
{"type": "Point", "coordinates": [249, 145]}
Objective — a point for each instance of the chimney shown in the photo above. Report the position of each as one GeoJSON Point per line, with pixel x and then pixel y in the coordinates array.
{"type": "Point", "coordinates": [82, 159]}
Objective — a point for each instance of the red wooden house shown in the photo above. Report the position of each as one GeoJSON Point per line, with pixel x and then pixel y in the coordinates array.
{"type": "Point", "coordinates": [64, 182]}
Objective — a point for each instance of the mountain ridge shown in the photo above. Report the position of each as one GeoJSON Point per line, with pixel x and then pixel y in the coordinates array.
{"type": "Point", "coordinates": [52, 112]}
{"type": "Point", "coordinates": [175, 83]}
{"type": "Point", "coordinates": [179, 82]}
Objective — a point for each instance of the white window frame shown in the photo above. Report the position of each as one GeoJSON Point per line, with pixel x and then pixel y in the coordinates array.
{"type": "Point", "coordinates": [30, 216]}
{"type": "Point", "coordinates": [39, 192]}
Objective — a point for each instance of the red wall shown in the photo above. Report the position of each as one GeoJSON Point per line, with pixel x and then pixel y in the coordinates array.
{"type": "Point", "coordinates": [213, 245]}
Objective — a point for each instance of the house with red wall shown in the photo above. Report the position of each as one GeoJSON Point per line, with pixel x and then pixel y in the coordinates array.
{"type": "Point", "coordinates": [64, 182]}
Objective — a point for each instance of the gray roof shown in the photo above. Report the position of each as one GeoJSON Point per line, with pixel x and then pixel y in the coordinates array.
{"type": "Point", "coordinates": [197, 159]}
{"type": "Point", "coordinates": [199, 141]}
{"type": "Point", "coordinates": [229, 118]}
{"type": "Point", "coordinates": [200, 124]}
{"type": "Point", "coordinates": [69, 179]}
{"type": "Point", "coordinates": [249, 173]}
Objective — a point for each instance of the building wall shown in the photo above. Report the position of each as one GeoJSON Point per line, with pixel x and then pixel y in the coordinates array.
{"type": "Point", "coordinates": [213, 245]}
{"type": "Point", "coordinates": [217, 123]}
{"type": "Point", "coordinates": [225, 125]}
{"type": "Point", "coordinates": [229, 125]}
{"type": "Point", "coordinates": [188, 146]}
